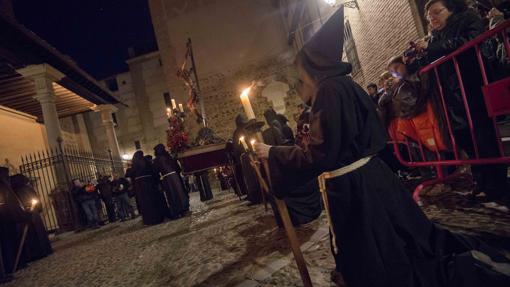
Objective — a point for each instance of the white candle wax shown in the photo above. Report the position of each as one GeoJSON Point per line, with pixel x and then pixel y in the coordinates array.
{"type": "Point", "coordinates": [245, 100]}
{"type": "Point", "coordinates": [174, 104]}
{"type": "Point", "coordinates": [181, 108]}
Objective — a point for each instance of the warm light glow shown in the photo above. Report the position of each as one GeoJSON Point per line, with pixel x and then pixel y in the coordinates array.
{"type": "Point", "coordinates": [168, 110]}
{"type": "Point", "coordinates": [245, 92]}
{"type": "Point", "coordinates": [34, 202]}
{"type": "Point", "coordinates": [174, 104]}
{"type": "Point", "coordinates": [243, 142]}
{"type": "Point", "coordinates": [125, 156]}
{"type": "Point", "coordinates": [181, 108]}
{"type": "Point", "coordinates": [252, 143]}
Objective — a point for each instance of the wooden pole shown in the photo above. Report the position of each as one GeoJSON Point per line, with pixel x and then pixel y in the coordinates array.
{"type": "Point", "coordinates": [289, 229]}
{"type": "Point", "coordinates": [280, 204]}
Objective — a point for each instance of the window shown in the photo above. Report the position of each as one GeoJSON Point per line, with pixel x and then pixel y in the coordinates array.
{"type": "Point", "coordinates": [138, 146]}
{"type": "Point", "coordinates": [350, 49]}
{"type": "Point", "coordinates": [112, 84]}
{"type": "Point", "coordinates": [168, 101]}
{"type": "Point", "coordinates": [114, 117]}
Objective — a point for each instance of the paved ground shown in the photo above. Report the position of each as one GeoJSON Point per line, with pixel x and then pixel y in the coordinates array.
{"type": "Point", "coordinates": [223, 243]}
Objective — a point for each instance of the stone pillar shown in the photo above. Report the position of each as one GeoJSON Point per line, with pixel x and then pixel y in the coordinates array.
{"type": "Point", "coordinates": [107, 122]}
{"type": "Point", "coordinates": [44, 76]}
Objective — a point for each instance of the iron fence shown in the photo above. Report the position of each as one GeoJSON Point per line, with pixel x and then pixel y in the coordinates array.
{"type": "Point", "coordinates": [51, 172]}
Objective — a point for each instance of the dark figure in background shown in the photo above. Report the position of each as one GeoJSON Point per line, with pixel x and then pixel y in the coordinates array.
{"type": "Point", "coordinates": [146, 191]}
{"type": "Point", "coordinates": [273, 134]}
{"type": "Point", "coordinates": [12, 219]}
{"type": "Point", "coordinates": [237, 151]}
{"type": "Point", "coordinates": [104, 187]}
{"type": "Point", "coordinates": [288, 135]}
{"type": "Point", "coordinates": [383, 237]}
{"type": "Point", "coordinates": [120, 193]}
{"type": "Point", "coordinates": [37, 243]}
{"type": "Point", "coordinates": [303, 126]}
{"type": "Point", "coordinates": [452, 26]}
{"type": "Point", "coordinates": [373, 93]}
{"type": "Point", "coordinates": [167, 168]}
{"type": "Point", "coordinates": [203, 185]}
{"type": "Point", "coordinates": [87, 201]}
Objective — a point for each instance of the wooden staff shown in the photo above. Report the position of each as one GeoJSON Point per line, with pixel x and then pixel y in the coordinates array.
{"type": "Point", "coordinates": [280, 204]}
{"type": "Point", "coordinates": [23, 237]}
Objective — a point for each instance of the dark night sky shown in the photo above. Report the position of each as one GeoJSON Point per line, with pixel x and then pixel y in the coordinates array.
{"type": "Point", "coordinates": [95, 33]}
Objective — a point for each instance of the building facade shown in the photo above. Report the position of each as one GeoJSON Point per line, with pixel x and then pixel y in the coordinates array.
{"type": "Point", "coordinates": [260, 40]}
{"type": "Point", "coordinates": [140, 122]}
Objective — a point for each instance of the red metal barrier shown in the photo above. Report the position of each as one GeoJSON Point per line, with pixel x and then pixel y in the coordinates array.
{"type": "Point", "coordinates": [496, 97]}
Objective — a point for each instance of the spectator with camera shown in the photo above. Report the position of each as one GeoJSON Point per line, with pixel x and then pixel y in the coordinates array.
{"type": "Point", "coordinates": [452, 25]}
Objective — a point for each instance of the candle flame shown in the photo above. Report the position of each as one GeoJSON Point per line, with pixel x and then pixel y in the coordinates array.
{"type": "Point", "coordinates": [245, 92]}
{"type": "Point", "coordinates": [168, 110]}
{"type": "Point", "coordinates": [252, 142]}
{"type": "Point", "coordinates": [34, 201]}
{"type": "Point", "coordinates": [241, 138]}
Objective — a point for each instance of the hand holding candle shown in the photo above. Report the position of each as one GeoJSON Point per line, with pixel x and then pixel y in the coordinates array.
{"type": "Point", "coordinates": [261, 150]}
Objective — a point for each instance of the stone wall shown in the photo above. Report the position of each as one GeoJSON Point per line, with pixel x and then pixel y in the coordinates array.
{"type": "Point", "coordinates": [231, 50]}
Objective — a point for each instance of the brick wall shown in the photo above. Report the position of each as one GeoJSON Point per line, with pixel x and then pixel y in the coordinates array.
{"type": "Point", "coordinates": [381, 29]}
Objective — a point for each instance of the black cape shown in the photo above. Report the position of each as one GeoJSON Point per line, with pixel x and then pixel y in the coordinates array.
{"type": "Point", "coordinates": [384, 239]}
{"type": "Point", "coordinates": [37, 244]}
{"type": "Point", "coordinates": [172, 184]}
{"type": "Point", "coordinates": [148, 197]}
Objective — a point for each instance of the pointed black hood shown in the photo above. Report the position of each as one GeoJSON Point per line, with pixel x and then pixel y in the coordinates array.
{"type": "Point", "coordinates": [321, 56]}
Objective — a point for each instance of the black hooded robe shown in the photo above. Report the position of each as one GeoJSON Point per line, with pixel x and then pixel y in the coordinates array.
{"type": "Point", "coordinates": [37, 243]}
{"type": "Point", "coordinates": [384, 239]}
{"type": "Point", "coordinates": [12, 220]}
{"type": "Point", "coordinates": [172, 184]}
{"type": "Point", "coordinates": [147, 194]}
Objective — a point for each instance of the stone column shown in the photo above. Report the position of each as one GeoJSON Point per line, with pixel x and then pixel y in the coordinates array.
{"type": "Point", "coordinates": [107, 122]}
{"type": "Point", "coordinates": [44, 76]}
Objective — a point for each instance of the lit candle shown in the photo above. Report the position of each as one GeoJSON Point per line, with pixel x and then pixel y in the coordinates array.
{"type": "Point", "coordinates": [34, 203]}
{"type": "Point", "coordinates": [252, 143]}
{"type": "Point", "coordinates": [181, 108]}
{"type": "Point", "coordinates": [243, 142]}
{"type": "Point", "coordinates": [174, 105]}
{"type": "Point", "coordinates": [168, 112]}
{"type": "Point", "coordinates": [245, 100]}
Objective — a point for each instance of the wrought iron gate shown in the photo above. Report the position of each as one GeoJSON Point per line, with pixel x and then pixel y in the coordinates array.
{"type": "Point", "coordinates": [51, 172]}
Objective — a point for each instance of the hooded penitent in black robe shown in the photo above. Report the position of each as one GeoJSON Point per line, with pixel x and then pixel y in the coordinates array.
{"type": "Point", "coordinates": [37, 244]}
{"type": "Point", "coordinates": [146, 190]}
{"type": "Point", "coordinates": [167, 168]}
{"type": "Point", "coordinates": [383, 237]}
{"type": "Point", "coordinates": [237, 151]}
{"type": "Point", "coordinates": [12, 219]}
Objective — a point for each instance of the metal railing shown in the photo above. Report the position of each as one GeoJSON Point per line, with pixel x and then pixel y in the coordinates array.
{"type": "Point", "coordinates": [51, 172]}
{"type": "Point", "coordinates": [496, 97]}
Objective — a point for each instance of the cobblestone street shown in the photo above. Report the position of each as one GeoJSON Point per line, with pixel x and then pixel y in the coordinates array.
{"type": "Point", "coordinates": [223, 243]}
